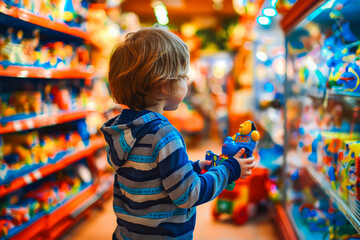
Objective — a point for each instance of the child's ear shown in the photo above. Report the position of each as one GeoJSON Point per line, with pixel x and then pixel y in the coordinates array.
{"type": "Point", "coordinates": [165, 90]}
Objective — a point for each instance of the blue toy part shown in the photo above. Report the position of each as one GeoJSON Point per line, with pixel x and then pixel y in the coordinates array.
{"type": "Point", "coordinates": [346, 32]}
{"type": "Point", "coordinates": [350, 79]}
{"type": "Point", "coordinates": [215, 159]}
{"type": "Point", "coordinates": [331, 173]}
{"type": "Point", "coordinates": [313, 156]}
{"type": "Point", "coordinates": [246, 138]}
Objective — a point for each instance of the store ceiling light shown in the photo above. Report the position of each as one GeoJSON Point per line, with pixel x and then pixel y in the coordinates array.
{"type": "Point", "coordinates": [270, 12]}
{"type": "Point", "coordinates": [263, 20]}
{"type": "Point", "coordinates": [163, 20]}
{"type": "Point", "coordinates": [273, 3]}
{"type": "Point", "coordinates": [262, 56]}
{"type": "Point", "coordinates": [160, 12]}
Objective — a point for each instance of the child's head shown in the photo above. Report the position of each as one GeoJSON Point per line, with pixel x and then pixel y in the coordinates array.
{"type": "Point", "coordinates": [147, 61]}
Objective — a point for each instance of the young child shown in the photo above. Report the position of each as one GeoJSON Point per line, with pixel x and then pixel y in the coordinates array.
{"type": "Point", "coordinates": [156, 186]}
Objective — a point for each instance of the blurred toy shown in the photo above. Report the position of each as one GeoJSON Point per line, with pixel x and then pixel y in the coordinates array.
{"type": "Point", "coordinates": [46, 196]}
{"type": "Point", "coordinates": [5, 225]}
{"type": "Point", "coordinates": [12, 50]}
{"type": "Point", "coordinates": [18, 211]}
{"type": "Point", "coordinates": [246, 138]}
{"type": "Point", "coordinates": [350, 79]}
{"type": "Point", "coordinates": [18, 149]}
{"type": "Point", "coordinates": [348, 173]}
{"type": "Point", "coordinates": [61, 97]}
{"type": "Point", "coordinates": [247, 195]}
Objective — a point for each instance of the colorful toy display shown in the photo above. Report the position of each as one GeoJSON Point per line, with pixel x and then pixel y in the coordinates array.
{"type": "Point", "coordinates": [316, 216]}
{"type": "Point", "coordinates": [46, 91]}
{"type": "Point", "coordinates": [246, 138]}
{"type": "Point", "coordinates": [48, 98]}
{"type": "Point", "coordinates": [24, 152]}
{"type": "Point", "coordinates": [71, 12]}
{"type": "Point", "coordinates": [324, 131]}
{"type": "Point", "coordinates": [38, 199]}
{"type": "Point", "coordinates": [28, 49]}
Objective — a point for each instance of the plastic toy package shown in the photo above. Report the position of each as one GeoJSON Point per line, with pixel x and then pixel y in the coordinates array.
{"type": "Point", "coordinates": [20, 209]}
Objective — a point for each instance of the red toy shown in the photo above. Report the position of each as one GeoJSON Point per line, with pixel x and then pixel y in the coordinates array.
{"type": "Point", "coordinates": [252, 190]}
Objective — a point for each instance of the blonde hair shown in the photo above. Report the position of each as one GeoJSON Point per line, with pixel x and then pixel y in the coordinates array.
{"type": "Point", "coordinates": [147, 60]}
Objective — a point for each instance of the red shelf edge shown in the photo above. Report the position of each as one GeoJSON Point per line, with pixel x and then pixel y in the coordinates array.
{"type": "Point", "coordinates": [297, 13]}
{"type": "Point", "coordinates": [47, 223]}
{"type": "Point", "coordinates": [39, 72]}
{"type": "Point", "coordinates": [47, 170]}
{"type": "Point", "coordinates": [283, 222]}
{"type": "Point", "coordinates": [43, 121]}
{"type": "Point", "coordinates": [42, 21]}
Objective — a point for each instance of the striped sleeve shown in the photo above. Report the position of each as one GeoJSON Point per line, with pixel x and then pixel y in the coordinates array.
{"type": "Point", "coordinates": [185, 186]}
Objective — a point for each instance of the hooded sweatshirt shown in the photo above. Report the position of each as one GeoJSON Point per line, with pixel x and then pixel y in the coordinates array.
{"type": "Point", "coordinates": [156, 186]}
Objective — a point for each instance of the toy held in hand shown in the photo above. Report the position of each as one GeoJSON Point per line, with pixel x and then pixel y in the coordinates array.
{"type": "Point", "coordinates": [246, 138]}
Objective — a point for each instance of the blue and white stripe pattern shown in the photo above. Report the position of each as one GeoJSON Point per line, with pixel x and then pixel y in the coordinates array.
{"type": "Point", "coordinates": [156, 187]}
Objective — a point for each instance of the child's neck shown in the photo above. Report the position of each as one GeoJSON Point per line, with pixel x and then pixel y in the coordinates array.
{"type": "Point", "coordinates": [159, 108]}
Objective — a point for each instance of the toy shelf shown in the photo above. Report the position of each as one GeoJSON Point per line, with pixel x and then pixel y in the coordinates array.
{"type": "Point", "coordinates": [43, 120]}
{"type": "Point", "coordinates": [343, 207]}
{"type": "Point", "coordinates": [27, 17]}
{"type": "Point", "coordinates": [102, 191]}
{"type": "Point", "coordinates": [53, 224]}
{"type": "Point", "coordinates": [302, 231]}
{"type": "Point", "coordinates": [332, 93]}
{"type": "Point", "coordinates": [39, 72]}
{"type": "Point", "coordinates": [49, 169]}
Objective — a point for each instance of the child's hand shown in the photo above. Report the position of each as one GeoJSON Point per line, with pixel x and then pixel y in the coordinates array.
{"type": "Point", "coordinates": [204, 163]}
{"type": "Point", "coordinates": [246, 164]}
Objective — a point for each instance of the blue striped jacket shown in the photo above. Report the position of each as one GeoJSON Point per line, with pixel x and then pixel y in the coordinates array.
{"type": "Point", "coordinates": [156, 187]}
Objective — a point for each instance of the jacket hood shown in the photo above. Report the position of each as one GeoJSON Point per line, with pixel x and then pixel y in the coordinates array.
{"type": "Point", "coordinates": [122, 132]}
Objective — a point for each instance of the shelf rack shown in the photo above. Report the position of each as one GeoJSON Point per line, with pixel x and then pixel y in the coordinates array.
{"type": "Point", "coordinates": [343, 207]}
{"type": "Point", "coordinates": [49, 169]}
{"type": "Point", "coordinates": [39, 72]}
{"type": "Point", "coordinates": [43, 120]}
{"type": "Point", "coordinates": [51, 225]}
{"type": "Point", "coordinates": [55, 223]}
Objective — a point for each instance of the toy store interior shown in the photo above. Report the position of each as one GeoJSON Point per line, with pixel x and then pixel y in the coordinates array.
{"type": "Point", "coordinates": [280, 78]}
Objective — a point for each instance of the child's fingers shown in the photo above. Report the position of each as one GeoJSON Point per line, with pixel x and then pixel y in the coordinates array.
{"type": "Point", "coordinates": [240, 153]}
{"type": "Point", "coordinates": [251, 166]}
{"type": "Point", "coordinates": [245, 174]}
{"type": "Point", "coordinates": [206, 162]}
{"type": "Point", "coordinates": [249, 160]}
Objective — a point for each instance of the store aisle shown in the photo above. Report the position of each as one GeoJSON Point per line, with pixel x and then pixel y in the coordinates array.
{"type": "Point", "coordinates": [101, 222]}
